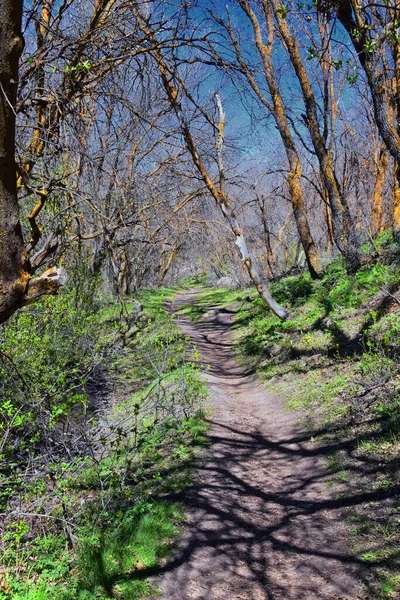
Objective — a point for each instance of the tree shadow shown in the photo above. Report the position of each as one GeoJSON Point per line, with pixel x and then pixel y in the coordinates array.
{"type": "Point", "coordinates": [257, 521]}
{"type": "Point", "coordinates": [263, 523]}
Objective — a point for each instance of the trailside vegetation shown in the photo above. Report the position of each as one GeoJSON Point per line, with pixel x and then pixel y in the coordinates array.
{"type": "Point", "coordinates": [101, 416]}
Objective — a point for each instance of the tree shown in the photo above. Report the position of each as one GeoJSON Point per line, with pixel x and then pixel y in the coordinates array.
{"type": "Point", "coordinates": [373, 29]}
{"type": "Point", "coordinates": [343, 227]}
{"type": "Point", "coordinates": [276, 107]}
{"type": "Point", "coordinates": [170, 80]}
{"type": "Point", "coordinates": [17, 288]}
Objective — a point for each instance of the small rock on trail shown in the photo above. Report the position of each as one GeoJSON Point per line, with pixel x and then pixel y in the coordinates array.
{"type": "Point", "coordinates": [262, 523]}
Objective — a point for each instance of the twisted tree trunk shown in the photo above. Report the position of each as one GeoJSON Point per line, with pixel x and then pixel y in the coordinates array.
{"type": "Point", "coordinates": [16, 289]}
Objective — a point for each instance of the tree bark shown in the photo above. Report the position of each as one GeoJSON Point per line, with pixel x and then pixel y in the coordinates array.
{"type": "Point", "coordinates": [166, 265]}
{"type": "Point", "coordinates": [348, 13]}
{"type": "Point", "coordinates": [382, 165]}
{"type": "Point", "coordinates": [16, 289]}
{"type": "Point", "coordinates": [270, 256]}
{"type": "Point", "coordinates": [396, 203]}
{"type": "Point", "coordinates": [329, 225]}
{"type": "Point", "coordinates": [13, 262]}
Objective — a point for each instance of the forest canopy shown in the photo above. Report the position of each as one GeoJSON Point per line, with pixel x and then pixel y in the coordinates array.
{"type": "Point", "coordinates": [147, 137]}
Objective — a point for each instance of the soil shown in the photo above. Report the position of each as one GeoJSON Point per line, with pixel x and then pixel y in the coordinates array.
{"type": "Point", "coordinates": [262, 522]}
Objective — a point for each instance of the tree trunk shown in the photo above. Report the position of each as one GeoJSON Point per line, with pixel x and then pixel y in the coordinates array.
{"type": "Point", "coordinates": [166, 265]}
{"type": "Point", "coordinates": [279, 113]}
{"type": "Point", "coordinates": [360, 35]}
{"type": "Point", "coordinates": [384, 85]}
{"type": "Point", "coordinates": [329, 225]}
{"type": "Point", "coordinates": [267, 238]}
{"type": "Point", "coordinates": [16, 289]}
{"type": "Point", "coordinates": [13, 262]}
{"type": "Point", "coordinates": [382, 164]}
{"type": "Point", "coordinates": [229, 214]}
{"type": "Point", "coordinates": [345, 238]}
{"type": "Point", "coordinates": [300, 215]}
{"type": "Point", "coordinates": [396, 203]}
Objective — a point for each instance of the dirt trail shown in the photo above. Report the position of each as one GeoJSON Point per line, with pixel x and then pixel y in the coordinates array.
{"type": "Point", "coordinates": [262, 522]}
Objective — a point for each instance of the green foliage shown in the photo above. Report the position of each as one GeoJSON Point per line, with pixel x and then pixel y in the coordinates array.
{"type": "Point", "coordinates": [337, 64]}
{"type": "Point", "coordinates": [282, 11]}
{"type": "Point", "coordinates": [390, 586]}
{"type": "Point", "coordinates": [386, 331]}
{"type": "Point", "coordinates": [197, 279]}
{"type": "Point", "coordinates": [153, 300]}
{"type": "Point", "coordinates": [371, 279]}
{"type": "Point", "coordinates": [47, 561]}
{"type": "Point", "coordinates": [390, 411]}
{"type": "Point", "coordinates": [312, 53]}
{"type": "Point", "coordinates": [157, 346]}
{"type": "Point", "coordinates": [110, 561]}
{"type": "Point", "coordinates": [320, 395]}
{"type": "Point", "coordinates": [294, 290]}
{"type": "Point", "coordinates": [309, 303]}
{"type": "Point", "coordinates": [148, 444]}
{"type": "Point", "coordinates": [47, 353]}
{"type": "Point", "coordinates": [352, 78]}
{"type": "Point", "coordinates": [383, 241]}
{"type": "Point", "coordinates": [114, 546]}
{"type": "Point", "coordinates": [122, 523]}
{"type": "Point", "coordinates": [79, 67]}
{"type": "Point", "coordinates": [338, 290]}
{"type": "Point", "coordinates": [369, 46]}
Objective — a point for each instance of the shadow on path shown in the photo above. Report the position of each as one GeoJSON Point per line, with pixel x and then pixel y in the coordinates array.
{"type": "Point", "coordinates": [262, 522]}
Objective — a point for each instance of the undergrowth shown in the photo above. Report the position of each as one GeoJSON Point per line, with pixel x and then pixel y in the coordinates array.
{"type": "Point", "coordinates": [86, 505]}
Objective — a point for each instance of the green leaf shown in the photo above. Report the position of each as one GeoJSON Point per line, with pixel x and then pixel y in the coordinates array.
{"type": "Point", "coordinates": [352, 78]}
{"type": "Point", "coordinates": [282, 11]}
{"type": "Point", "coordinates": [369, 46]}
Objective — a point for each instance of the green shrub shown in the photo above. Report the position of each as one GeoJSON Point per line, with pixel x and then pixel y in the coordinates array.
{"type": "Point", "coordinates": [386, 331]}
{"type": "Point", "coordinates": [371, 279]}
{"type": "Point", "coordinates": [294, 289]}
{"type": "Point", "coordinates": [383, 241]}
{"type": "Point", "coordinates": [115, 496]}
{"type": "Point", "coordinates": [338, 290]}
{"type": "Point", "coordinates": [48, 351]}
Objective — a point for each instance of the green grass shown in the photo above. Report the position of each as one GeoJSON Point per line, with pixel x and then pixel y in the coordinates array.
{"type": "Point", "coordinates": [383, 242]}
{"type": "Point", "coordinates": [390, 587]}
{"type": "Point", "coordinates": [152, 300]}
{"type": "Point", "coordinates": [321, 361]}
{"type": "Point", "coordinates": [316, 391]}
{"type": "Point", "coordinates": [125, 522]}
{"type": "Point", "coordinates": [110, 562]}
{"type": "Point", "coordinates": [114, 547]}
